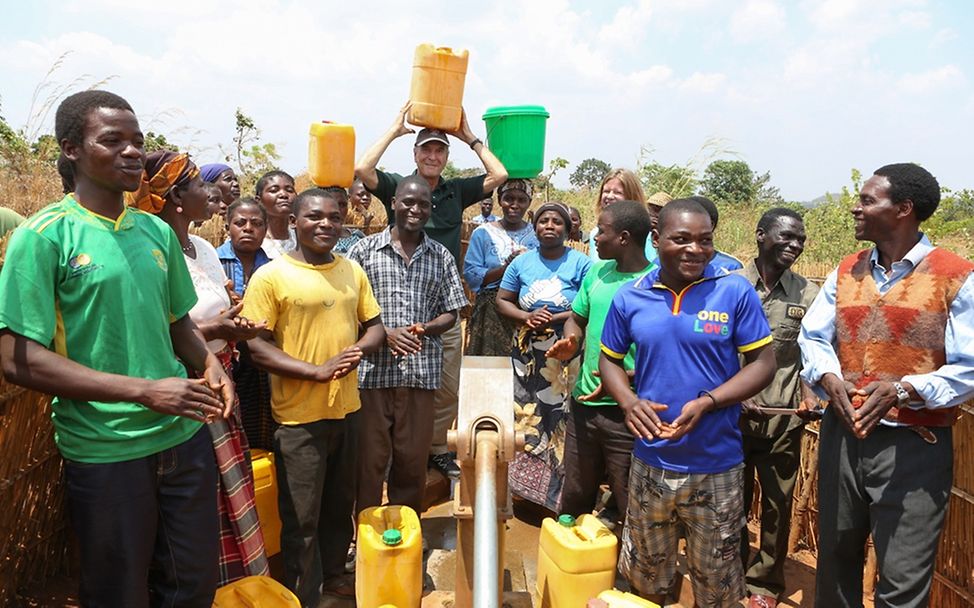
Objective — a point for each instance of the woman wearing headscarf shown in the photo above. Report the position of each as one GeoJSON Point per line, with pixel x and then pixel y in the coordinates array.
{"type": "Point", "coordinates": [493, 246]}
{"type": "Point", "coordinates": [225, 179]}
{"type": "Point", "coordinates": [172, 188]}
{"type": "Point", "coordinates": [536, 293]}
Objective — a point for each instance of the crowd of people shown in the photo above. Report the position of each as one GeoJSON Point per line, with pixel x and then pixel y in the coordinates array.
{"type": "Point", "coordinates": [655, 365]}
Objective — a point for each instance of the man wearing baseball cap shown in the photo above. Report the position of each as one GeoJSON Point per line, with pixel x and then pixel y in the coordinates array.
{"type": "Point", "coordinates": [450, 197]}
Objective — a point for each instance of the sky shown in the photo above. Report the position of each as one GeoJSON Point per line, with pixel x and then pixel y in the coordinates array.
{"type": "Point", "coordinates": [807, 90]}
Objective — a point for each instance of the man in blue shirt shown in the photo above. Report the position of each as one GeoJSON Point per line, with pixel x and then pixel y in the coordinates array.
{"type": "Point", "coordinates": [689, 324]}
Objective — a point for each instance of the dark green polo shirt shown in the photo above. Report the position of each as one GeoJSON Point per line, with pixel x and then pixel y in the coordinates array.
{"type": "Point", "coordinates": [450, 198]}
{"type": "Point", "coordinates": [785, 304]}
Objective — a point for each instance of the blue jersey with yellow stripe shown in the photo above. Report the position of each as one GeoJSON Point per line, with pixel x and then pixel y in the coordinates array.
{"type": "Point", "coordinates": [687, 342]}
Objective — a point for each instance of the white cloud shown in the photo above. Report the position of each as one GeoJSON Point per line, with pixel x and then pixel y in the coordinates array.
{"type": "Point", "coordinates": [915, 19]}
{"type": "Point", "coordinates": [655, 76]}
{"type": "Point", "coordinates": [932, 80]}
{"type": "Point", "coordinates": [703, 83]}
{"type": "Point", "coordinates": [628, 26]}
{"type": "Point", "coordinates": [942, 37]}
{"type": "Point", "coordinates": [757, 19]}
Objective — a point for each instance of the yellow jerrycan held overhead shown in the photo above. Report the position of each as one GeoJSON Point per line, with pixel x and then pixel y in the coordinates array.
{"type": "Point", "coordinates": [576, 560]}
{"type": "Point", "coordinates": [389, 558]}
{"type": "Point", "coordinates": [436, 90]}
{"type": "Point", "coordinates": [331, 154]}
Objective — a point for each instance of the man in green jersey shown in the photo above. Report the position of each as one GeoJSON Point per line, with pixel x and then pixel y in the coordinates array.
{"type": "Point", "coordinates": [93, 309]}
{"type": "Point", "coordinates": [598, 443]}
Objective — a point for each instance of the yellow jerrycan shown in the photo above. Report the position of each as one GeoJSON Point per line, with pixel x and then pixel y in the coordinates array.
{"type": "Point", "coordinates": [389, 558]}
{"type": "Point", "coordinates": [576, 560]}
{"type": "Point", "coordinates": [331, 154]}
{"type": "Point", "coordinates": [436, 90]}
{"type": "Point", "coordinates": [265, 497]}
{"type": "Point", "coordinates": [255, 592]}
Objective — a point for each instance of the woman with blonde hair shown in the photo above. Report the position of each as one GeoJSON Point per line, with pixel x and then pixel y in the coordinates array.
{"type": "Point", "coordinates": [617, 185]}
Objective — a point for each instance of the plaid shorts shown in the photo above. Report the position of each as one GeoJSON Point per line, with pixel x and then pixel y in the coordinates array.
{"type": "Point", "coordinates": [709, 508]}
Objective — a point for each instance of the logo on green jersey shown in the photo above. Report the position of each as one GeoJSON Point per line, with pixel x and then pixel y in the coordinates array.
{"type": "Point", "coordinates": [79, 261]}
{"type": "Point", "coordinates": [80, 265]}
{"type": "Point", "coordinates": [160, 259]}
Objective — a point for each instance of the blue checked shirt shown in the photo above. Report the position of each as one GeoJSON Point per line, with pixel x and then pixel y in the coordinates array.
{"type": "Point", "coordinates": [408, 293]}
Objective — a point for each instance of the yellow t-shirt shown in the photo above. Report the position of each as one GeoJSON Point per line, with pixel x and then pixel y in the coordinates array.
{"type": "Point", "coordinates": [314, 313]}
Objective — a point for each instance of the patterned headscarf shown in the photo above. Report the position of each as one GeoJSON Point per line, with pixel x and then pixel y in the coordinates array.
{"type": "Point", "coordinates": [164, 170]}
{"type": "Point", "coordinates": [524, 185]}
{"type": "Point", "coordinates": [211, 171]}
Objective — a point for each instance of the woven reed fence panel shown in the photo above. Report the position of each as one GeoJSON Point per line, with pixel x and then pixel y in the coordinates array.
{"type": "Point", "coordinates": [34, 540]}
{"type": "Point", "coordinates": [953, 583]}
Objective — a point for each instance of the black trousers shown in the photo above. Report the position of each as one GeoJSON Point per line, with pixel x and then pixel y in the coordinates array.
{"type": "Point", "coordinates": [315, 465]}
{"type": "Point", "coordinates": [893, 485]}
{"type": "Point", "coordinates": [597, 444]}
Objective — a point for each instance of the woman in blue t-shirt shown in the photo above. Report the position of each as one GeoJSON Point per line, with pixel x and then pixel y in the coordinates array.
{"type": "Point", "coordinates": [536, 292]}
{"type": "Point", "coordinates": [493, 246]}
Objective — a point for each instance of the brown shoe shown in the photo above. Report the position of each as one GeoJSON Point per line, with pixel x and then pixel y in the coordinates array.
{"type": "Point", "coordinates": [341, 587]}
{"type": "Point", "coordinates": [762, 601]}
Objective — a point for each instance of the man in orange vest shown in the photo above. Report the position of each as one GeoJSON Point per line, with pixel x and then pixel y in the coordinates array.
{"type": "Point", "coordinates": [890, 341]}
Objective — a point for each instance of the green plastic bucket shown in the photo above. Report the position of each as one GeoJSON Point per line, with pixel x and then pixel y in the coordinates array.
{"type": "Point", "coordinates": [516, 134]}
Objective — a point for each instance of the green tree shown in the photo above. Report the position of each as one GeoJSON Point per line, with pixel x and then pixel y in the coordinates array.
{"type": "Point", "coordinates": [156, 141]}
{"type": "Point", "coordinates": [678, 181]}
{"type": "Point", "coordinates": [830, 229]}
{"type": "Point", "coordinates": [451, 171]}
{"type": "Point", "coordinates": [729, 181]}
{"type": "Point", "coordinates": [253, 158]}
{"type": "Point", "coordinates": [589, 173]}
{"type": "Point", "coordinates": [766, 194]}
{"type": "Point", "coordinates": [542, 183]}
{"type": "Point", "coordinates": [46, 148]}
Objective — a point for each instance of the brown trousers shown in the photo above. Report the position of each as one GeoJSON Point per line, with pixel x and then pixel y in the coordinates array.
{"type": "Point", "coordinates": [396, 423]}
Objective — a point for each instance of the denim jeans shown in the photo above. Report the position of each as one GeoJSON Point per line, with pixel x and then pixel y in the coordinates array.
{"type": "Point", "coordinates": [147, 528]}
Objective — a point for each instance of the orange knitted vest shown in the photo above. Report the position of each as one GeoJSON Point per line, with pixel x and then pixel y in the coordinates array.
{"type": "Point", "coordinates": [886, 337]}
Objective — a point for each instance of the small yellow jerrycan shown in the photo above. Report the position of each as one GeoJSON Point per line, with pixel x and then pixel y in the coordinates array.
{"type": "Point", "coordinates": [620, 599]}
{"type": "Point", "coordinates": [436, 89]}
{"type": "Point", "coordinates": [265, 497]}
{"type": "Point", "coordinates": [389, 558]}
{"type": "Point", "coordinates": [255, 592]}
{"type": "Point", "coordinates": [576, 560]}
{"type": "Point", "coordinates": [331, 154]}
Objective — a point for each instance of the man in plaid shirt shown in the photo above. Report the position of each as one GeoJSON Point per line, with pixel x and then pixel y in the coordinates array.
{"type": "Point", "coordinates": [416, 282]}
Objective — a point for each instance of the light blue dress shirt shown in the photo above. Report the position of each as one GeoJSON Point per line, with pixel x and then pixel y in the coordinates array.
{"type": "Point", "coordinates": [948, 386]}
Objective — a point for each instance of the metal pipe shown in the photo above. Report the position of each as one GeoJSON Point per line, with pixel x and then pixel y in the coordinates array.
{"type": "Point", "coordinates": [485, 570]}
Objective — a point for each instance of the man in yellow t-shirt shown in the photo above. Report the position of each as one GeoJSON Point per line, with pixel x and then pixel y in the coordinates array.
{"type": "Point", "coordinates": [314, 302]}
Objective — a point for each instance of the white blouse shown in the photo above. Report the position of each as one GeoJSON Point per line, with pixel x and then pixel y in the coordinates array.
{"type": "Point", "coordinates": [209, 281]}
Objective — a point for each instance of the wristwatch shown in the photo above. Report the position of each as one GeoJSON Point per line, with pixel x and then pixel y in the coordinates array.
{"type": "Point", "coordinates": [902, 397]}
